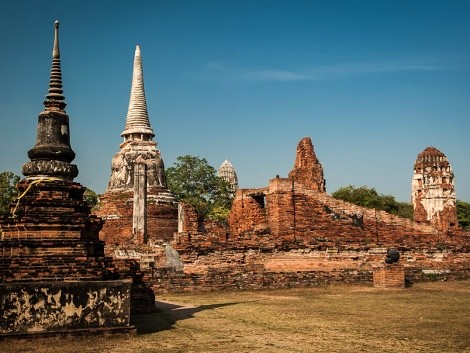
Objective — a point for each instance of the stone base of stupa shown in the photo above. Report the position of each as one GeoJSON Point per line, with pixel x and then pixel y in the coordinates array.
{"type": "Point", "coordinates": [54, 276]}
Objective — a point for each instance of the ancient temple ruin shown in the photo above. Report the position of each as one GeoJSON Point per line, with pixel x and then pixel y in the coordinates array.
{"type": "Point", "coordinates": [292, 233]}
{"type": "Point", "coordinates": [227, 172]}
{"type": "Point", "coordinates": [137, 205]}
{"type": "Point", "coordinates": [433, 192]}
{"type": "Point", "coordinates": [54, 276]}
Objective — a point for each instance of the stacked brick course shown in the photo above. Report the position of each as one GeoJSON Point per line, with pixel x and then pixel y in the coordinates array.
{"type": "Point", "coordinates": [389, 276]}
{"type": "Point", "coordinates": [116, 209]}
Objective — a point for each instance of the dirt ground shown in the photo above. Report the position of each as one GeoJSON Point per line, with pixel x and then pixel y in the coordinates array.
{"type": "Point", "coordinates": [430, 317]}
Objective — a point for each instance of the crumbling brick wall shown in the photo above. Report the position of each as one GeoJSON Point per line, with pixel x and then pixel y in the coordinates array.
{"type": "Point", "coordinates": [116, 208]}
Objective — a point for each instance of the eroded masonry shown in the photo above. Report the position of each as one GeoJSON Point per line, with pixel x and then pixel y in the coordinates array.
{"type": "Point", "coordinates": [433, 192]}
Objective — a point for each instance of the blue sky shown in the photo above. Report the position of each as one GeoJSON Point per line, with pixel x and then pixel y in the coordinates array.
{"type": "Point", "coordinates": [372, 83]}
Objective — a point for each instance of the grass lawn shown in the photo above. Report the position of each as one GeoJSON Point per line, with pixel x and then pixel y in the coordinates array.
{"type": "Point", "coordinates": [428, 317]}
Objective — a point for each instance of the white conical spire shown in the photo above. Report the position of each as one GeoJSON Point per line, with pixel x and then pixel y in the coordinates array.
{"type": "Point", "coordinates": [137, 121]}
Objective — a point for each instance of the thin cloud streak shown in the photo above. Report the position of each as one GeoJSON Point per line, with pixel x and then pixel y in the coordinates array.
{"type": "Point", "coordinates": [225, 71]}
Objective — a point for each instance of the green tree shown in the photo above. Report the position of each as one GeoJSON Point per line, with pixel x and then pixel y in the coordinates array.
{"type": "Point", "coordinates": [90, 197]}
{"type": "Point", "coordinates": [194, 181]}
{"type": "Point", "coordinates": [8, 192]}
{"type": "Point", "coordinates": [463, 214]}
{"type": "Point", "coordinates": [370, 198]}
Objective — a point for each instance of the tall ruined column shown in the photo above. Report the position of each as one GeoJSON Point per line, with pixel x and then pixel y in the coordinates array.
{"type": "Point", "coordinates": [138, 148]}
{"type": "Point", "coordinates": [433, 192]}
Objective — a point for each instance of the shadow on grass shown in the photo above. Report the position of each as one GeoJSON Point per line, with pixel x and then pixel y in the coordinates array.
{"type": "Point", "coordinates": [166, 315]}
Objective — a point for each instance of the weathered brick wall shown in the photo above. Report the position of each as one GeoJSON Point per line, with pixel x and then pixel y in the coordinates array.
{"type": "Point", "coordinates": [302, 237]}
{"type": "Point", "coordinates": [116, 209]}
{"type": "Point", "coordinates": [209, 267]}
{"type": "Point", "coordinates": [188, 218]}
{"type": "Point", "coordinates": [248, 211]}
{"type": "Point", "coordinates": [294, 212]}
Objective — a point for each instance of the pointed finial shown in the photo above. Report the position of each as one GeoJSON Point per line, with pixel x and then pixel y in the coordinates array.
{"type": "Point", "coordinates": [55, 98]}
{"type": "Point", "coordinates": [56, 51]}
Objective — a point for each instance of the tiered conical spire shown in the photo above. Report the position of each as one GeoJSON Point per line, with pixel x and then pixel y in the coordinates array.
{"type": "Point", "coordinates": [52, 153]}
{"type": "Point", "coordinates": [137, 121]}
{"type": "Point", "coordinates": [55, 99]}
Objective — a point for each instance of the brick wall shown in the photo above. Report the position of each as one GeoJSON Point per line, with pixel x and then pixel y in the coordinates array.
{"type": "Point", "coordinates": [116, 208]}
{"type": "Point", "coordinates": [209, 267]}
{"type": "Point", "coordinates": [389, 276]}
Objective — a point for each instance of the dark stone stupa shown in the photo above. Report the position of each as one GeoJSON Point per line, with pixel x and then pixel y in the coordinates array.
{"type": "Point", "coordinates": [52, 263]}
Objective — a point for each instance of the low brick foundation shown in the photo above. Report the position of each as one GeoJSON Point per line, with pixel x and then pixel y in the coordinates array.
{"type": "Point", "coordinates": [389, 276]}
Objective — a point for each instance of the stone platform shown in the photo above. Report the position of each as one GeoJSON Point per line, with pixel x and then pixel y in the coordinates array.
{"type": "Point", "coordinates": [55, 307]}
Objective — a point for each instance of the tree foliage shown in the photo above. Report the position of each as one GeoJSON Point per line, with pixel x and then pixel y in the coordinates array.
{"type": "Point", "coordinates": [194, 181]}
{"type": "Point", "coordinates": [8, 192]}
{"type": "Point", "coordinates": [90, 197]}
{"type": "Point", "coordinates": [463, 214]}
{"type": "Point", "coordinates": [370, 198]}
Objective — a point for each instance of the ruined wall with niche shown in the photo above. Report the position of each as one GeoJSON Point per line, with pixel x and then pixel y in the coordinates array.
{"type": "Point", "coordinates": [292, 212]}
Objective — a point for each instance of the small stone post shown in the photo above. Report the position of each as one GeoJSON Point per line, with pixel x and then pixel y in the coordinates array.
{"type": "Point", "coordinates": [139, 215]}
{"type": "Point", "coordinates": [389, 274]}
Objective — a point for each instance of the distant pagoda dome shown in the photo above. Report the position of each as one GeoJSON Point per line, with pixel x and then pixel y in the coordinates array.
{"type": "Point", "coordinates": [433, 190]}
{"type": "Point", "coordinates": [227, 172]}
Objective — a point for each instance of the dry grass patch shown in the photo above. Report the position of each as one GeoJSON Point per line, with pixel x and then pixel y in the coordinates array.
{"type": "Point", "coordinates": [431, 317]}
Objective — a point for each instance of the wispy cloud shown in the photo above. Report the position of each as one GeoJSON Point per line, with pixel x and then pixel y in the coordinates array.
{"type": "Point", "coordinates": [226, 71]}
